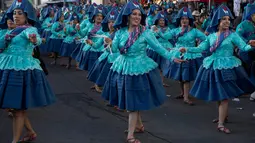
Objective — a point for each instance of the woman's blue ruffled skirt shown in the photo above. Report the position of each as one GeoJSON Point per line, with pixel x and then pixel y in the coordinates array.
{"type": "Point", "coordinates": [134, 93]}
{"type": "Point", "coordinates": [24, 89]}
{"type": "Point", "coordinates": [87, 59]}
{"type": "Point", "coordinates": [55, 45]}
{"type": "Point", "coordinates": [44, 47]}
{"type": "Point", "coordinates": [99, 72]}
{"type": "Point", "coordinates": [186, 71]}
{"type": "Point", "coordinates": [76, 54]}
{"type": "Point", "coordinates": [218, 85]}
{"type": "Point", "coordinates": [67, 49]}
{"type": "Point", "coordinates": [161, 61]}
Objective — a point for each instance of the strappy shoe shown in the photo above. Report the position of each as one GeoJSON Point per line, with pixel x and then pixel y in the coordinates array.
{"type": "Point", "coordinates": [10, 115]}
{"type": "Point", "coordinates": [190, 103]}
{"type": "Point", "coordinates": [133, 140]}
{"type": "Point", "coordinates": [224, 130]}
{"type": "Point", "coordinates": [165, 85]}
{"type": "Point", "coordinates": [29, 138]}
{"type": "Point", "coordinates": [217, 120]}
{"type": "Point", "coordinates": [63, 65]}
{"type": "Point", "coordinates": [53, 63]}
{"type": "Point", "coordinates": [68, 66]}
{"type": "Point", "coordinates": [98, 89]}
{"type": "Point", "coordinates": [137, 130]}
{"type": "Point", "coordinates": [118, 109]}
{"type": "Point", "coordinates": [179, 96]}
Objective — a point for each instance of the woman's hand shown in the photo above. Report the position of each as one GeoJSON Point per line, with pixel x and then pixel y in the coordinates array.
{"type": "Point", "coordinates": [179, 60]}
{"type": "Point", "coordinates": [90, 42]}
{"type": "Point", "coordinates": [252, 43]}
{"type": "Point", "coordinates": [32, 38]}
{"type": "Point", "coordinates": [43, 40]}
{"type": "Point", "coordinates": [78, 26]}
{"type": "Point", "coordinates": [108, 40]}
{"type": "Point", "coordinates": [154, 28]}
{"type": "Point", "coordinates": [183, 50]}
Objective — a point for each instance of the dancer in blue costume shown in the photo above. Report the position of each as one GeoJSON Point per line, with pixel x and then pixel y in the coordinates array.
{"type": "Point", "coordinates": [246, 30]}
{"type": "Point", "coordinates": [23, 83]}
{"type": "Point", "coordinates": [184, 36]}
{"type": "Point", "coordinates": [161, 24]}
{"type": "Point", "coordinates": [48, 16]}
{"type": "Point", "coordinates": [101, 68]}
{"type": "Point", "coordinates": [77, 53]}
{"type": "Point", "coordinates": [134, 82]}
{"type": "Point", "coordinates": [93, 49]}
{"type": "Point", "coordinates": [152, 12]}
{"type": "Point", "coordinates": [86, 21]}
{"type": "Point", "coordinates": [221, 77]}
{"type": "Point", "coordinates": [250, 3]}
{"type": "Point", "coordinates": [6, 25]}
{"type": "Point", "coordinates": [72, 32]}
{"type": "Point", "coordinates": [58, 35]}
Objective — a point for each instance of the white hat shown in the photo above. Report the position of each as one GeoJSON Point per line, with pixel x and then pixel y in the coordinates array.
{"type": "Point", "coordinates": [195, 13]}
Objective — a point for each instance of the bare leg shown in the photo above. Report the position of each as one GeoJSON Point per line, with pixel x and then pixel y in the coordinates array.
{"type": "Point", "coordinates": [223, 110]}
{"type": "Point", "coordinates": [182, 88]}
{"type": "Point", "coordinates": [28, 126]}
{"type": "Point", "coordinates": [18, 124]}
{"type": "Point", "coordinates": [55, 56]}
{"type": "Point", "coordinates": [69, 63]}
{"type": "Point", "coordinates": [132, 121]}
{"type": "Point", "coordinates": [139, 121]}
{"type": "Point", "coordinates": [186, 91]}
{"type": "Point", "coordinates": [162, 77]}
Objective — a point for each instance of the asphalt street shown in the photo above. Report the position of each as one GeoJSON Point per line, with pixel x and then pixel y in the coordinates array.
{"type": "Point", "coordinates": [80, 116]}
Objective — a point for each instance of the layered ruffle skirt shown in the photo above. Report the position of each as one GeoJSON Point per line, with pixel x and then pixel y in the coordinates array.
{"type": "Point", "coordinates": [218, 85]}
{"type": "Point", "coordinates": [87, 59]}
{"type": "Point", "coordinates": [186, 71]}
{"type": "Point", "coordinates": [67, 49]}
{"type": "Point", "coordinates": [55, 45]}
{"type": "Point", "coordinates": [99, 72]}
{"type": "Point", "coordinates": [134, 92]}
{"type": "Point", "coordinates": [24, 89]}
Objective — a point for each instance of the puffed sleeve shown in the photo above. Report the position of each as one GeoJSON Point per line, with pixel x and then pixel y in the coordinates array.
{"type": "Point", "coordinates": [33, 30]}
{"type": "Point", "coordinates": [115, 42]}
{"type": "Point", "coordinates": [200, 35]}
{"type": "Point", "coordinates": [2, 42]}
{"type": "Point", "coordinates": [53, 28]}
{"type": "Point", "coordinates": [239, 42]}
{"type": "Point", "coordinates": [201, 47]}
{"type": "Point", "coordinates": [156, 46]}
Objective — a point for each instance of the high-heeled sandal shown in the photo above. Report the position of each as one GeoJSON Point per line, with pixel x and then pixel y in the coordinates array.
{"type": "Point", "coordinates": [224, 130]}
{"type": "Point", "coordinates": [179, 96]}
{"type": "Point", "coordinates": [133, 140]}
{"type": "Point", "coordinates": [98, 89]}
{"type": "Point", "coordinates": [137, 130]}
{"type": "Point", "coordinates": [190, 103]}
{"type": "Point", "coordinates": [165, 85]}
{"type": "Point", "coordinates": [29, 138]}
{"type": "Point", "coordinates": [217, 120]}
{"type": "Point", "coordinates": [68, 66]}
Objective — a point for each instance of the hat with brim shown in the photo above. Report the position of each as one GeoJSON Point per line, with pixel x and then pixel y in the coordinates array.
{"type": "Point", "coordinates": [122, 19]}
